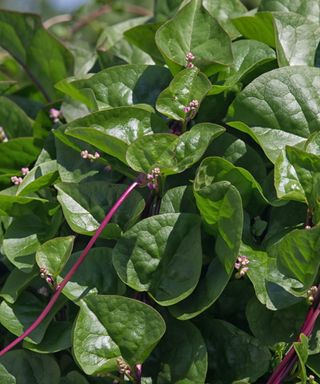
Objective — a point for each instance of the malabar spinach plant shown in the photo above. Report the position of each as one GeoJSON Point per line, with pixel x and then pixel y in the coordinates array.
{"type": "Point", "coordinates": [160, 194]}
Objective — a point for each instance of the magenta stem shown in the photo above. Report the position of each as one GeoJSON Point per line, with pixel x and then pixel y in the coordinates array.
{"type": "Point", "coordinates": [72, 271]}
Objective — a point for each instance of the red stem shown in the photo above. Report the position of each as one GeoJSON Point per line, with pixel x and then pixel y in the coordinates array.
{"type": "Point", "coordinates": [72, 271]}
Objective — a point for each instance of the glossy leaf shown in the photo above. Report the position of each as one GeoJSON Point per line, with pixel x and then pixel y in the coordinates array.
{"type": "Point", "coordinates": [187, 85]}
{"type": "Point", "coordinates": [28, 367]}
{"type": "Point", "coordinates": [13, 119]}
{"type": "Point", "coordinates": [119, 86]}
{"type": "Point", "coordinates": [280, 108]}
{"type": "Point", "coordinates": [178, 200]}
{"type": "Point", "coordinates": [109, 327]}
{"type": "Point", "coordinates": [307, 8]}
{"type": "Point", "coordinates": [194, 30]}
{"type": "Point", "coordinates": [27, 41]}
{"type": "Point", "coordinates": [96, 275]}
{"type": "Point", "coordinates": [15, 283]}
{"type": "Point", "coordinates": [162, 256]}
{"type": "Point", "coordinates": [54, 254]}
{"type": "Point", "coordinates": [114, 130]}
{"type": "Point", "coordinates": [297, 255]}
{"type": "Point", "coordinates": [84, 206]}
{"type": "Point", "coordinates": [220, 207]}
{"type": "Point", "coordinates": [170, 153]}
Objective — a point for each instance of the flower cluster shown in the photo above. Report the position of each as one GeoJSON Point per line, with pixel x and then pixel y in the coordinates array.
{"type": "Point", "coordinates": [16, 180]}
{"type": "Point", "coordinates": [192, 106]}
{"type": "Point", "coordinates": [86, 155]}
{"type": "Point", "coordinates": [55, 115]}
{"type": "Point", "coordinates": [153, 178]}
{"type": "Point", "coordinates": [123, 367]}
{"type": "Point", "coordinates": [189, 60]}
{"type": "Point", "coordinates": [44, 274]}
{"type": "Point", "coordinates": [242, 266]}
{"type": "Point", "coordinates": [311, 294]}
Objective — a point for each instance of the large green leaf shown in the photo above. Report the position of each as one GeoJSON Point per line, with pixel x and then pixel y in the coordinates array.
{"type": "Point", "coordinates": [183, 354]}
{"type": "Point", "coordinates": [29, 367]}
{"type": "Point", "coordinates": [13, 120]}
{"type": "Point", "coordinates": [280, 108]}
{"type": "Point", "coordinates": [44, 58]}
{"type": "Point", "coordinates": [110, 327]}
{"type": "Point", "coordinates": [114, 130]}
{"type": "Point", "coordinates": [272, 288]}
{"type": "Point", "coordinates": [178, 200]}
{"type": "Point", "coordinates": [19, 316]}
{"type": "Point", "coordinates": [194, 30]}
{"type": "Point", "coordinates": [161, 255]}
{"type": "Point", "coordinates": [11, 205]}
{"type": "Point", "coordinates": [223, 11]}
{"type": "Point", "coordinates": [84, 206]}
{"type": "Point", "coordinates": [233, 354]}
{"type": "Point", "coordinates": [54, 254]}
{"type": "Point", "coordinates": [297, 255]}
{"type": "Point", "coordinates": [73, 377]}
{"type": "Point", "coordinates": [170, 153]}
{"type": "Point", "coordinates": [23, 237]}
{"type": "Point", "coordinates": [187, 85]}
{"type": "Point", "coordinates": [119, 86]}
{"type": "Point", "coordinates": [221, 208]}
{"type": "Point", "coordinates": [96, 275]}
{"type": "Point", "coordinates": [308, 8]}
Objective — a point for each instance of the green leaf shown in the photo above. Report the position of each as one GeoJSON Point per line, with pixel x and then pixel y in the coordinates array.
{"type": "Point", "coordinates": [301, 349]}
{"type": "Point", "coordinates": [223, 11]}
{"type": "Point", "coordinates": [280, 107]}
{"type": "Point", "coordinates": [11, 205]}
{"type": "Point", "coordinates": [13, 119]}
{"type": "Point", "coordinates": [143, 36]}
{"type": "Point", "coordinates": [194, 30]}
{"type": "Point", "coordinates": [57, 338]}
{"type": "Point", "coordinates": [183, 354]}
{"type": "Point", "coordinates": [44, 58]}
{"type": "Point", "coordinates": [258, 27]}
{"type": "Point", "coordinates": [73, 377]}
{"type": "Point", "coordinates": [84, 206]}
{"type": "Point", "coordinates": [161, 255]}
{"type": "Point", "coordinates": [187, 85]}
{"type": "Point", "coordinates": [54, 254]}
{"type": "Point", "coordinates": [29, 367]}
{"type": "Point", "coordinates": [215, 169]}
{"type": "Point", "coordinates": [248, 56]}
{"type": "Point", "coordinates": [178, 200]}
{"type": "Point", "coordinates": [119, 86]}
{"type": "Point", "coordinates": [96, 275]}
{"type": "Point", "coordinates": [15, 283]}
{"type": "Point", "coordinates": [114, 130]}
{"type": "Point", "coordinates": [273, 289]}
{"type": "Point", "coordinates": [308, 8]}
{"type": "Point", "coordinates": [40, 176]}
{"type": "Point", "coordinates": [170, 153]}
{"type": "Point", "coordinates": [297, 255]}
{"type": "Point", "coordinates": [6, 377]}
{"type": "Point", "coordinates": [232, 353]}
{"type": "Point", "coordinates": [272, 327]}
{"type": "Point", "coordinates": [109, 327]}
{"type": "Point", "coordinates": [19, 316]}
{"type": "Point", "coordinates": [220, 207]}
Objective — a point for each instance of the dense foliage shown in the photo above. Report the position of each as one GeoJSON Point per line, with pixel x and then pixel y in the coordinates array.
{"type": "Point", "coordinates": [208, 270]}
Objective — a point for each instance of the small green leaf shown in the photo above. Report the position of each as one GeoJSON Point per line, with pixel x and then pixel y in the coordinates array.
{"type": "Point", "coordinates": [187, 85]}
{"type": "Point", "coordinates": [6, 377]}
{"type": "Point", "coordinates": [15, 283]}
{"type": "Point", "coordinates": [113, 130]}
{"type": "Point", "coordinates": [54, 254]}
{"type": "Point", "coordinates": [178, 200]}
{"type": "Point", "coordinates": [73, 377]}
{"type": "Point", "coordinates": [29, 367]}
{"type": "Point", "coordinates": [194, 30]}
{"type": "Point", "coordinates": [110, 327]}
{"type": "Point", "coordinates": [84, 206]}
{"type": "Point", "coordinates": [161, 255]}
{"type": "Point", "coordinates": [170, 153]}
{"type": "Point", "coordinates": [297, 255]}
{"type": "Point", "coordinates": [13, 120]}
{"type": "Point", "coordinates": [301, 348]}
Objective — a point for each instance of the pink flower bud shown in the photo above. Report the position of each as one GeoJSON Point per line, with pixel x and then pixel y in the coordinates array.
{"type": "Point", "coordinates": [16, 180]}
{"type": "Point", "coordinates": [25, 171]}
{"type": "Point", "coordinates": [186, 109]}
